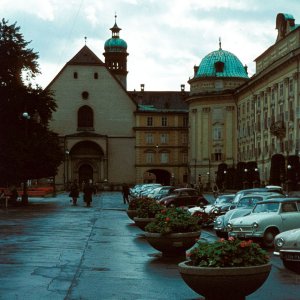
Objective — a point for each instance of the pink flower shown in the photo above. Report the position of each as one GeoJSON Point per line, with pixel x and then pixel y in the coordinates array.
{"type": "Point", "coordinates": [231, 238]}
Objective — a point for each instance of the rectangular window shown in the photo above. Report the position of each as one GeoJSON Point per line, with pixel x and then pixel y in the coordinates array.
{"type": "Point", "coordinates": [164, 138]}
{"type": "Point", "coordinates": [217, 133]}
{"type": "Point", "coordinates": [291, 86]}
{"type": "Point", "coordinates": [281, 89]}
{"type": "Point", "coordinates": [164, 157]}
{"type": "Point", "coordinates": [184, 157]}
{"type": "Point", "coordinates": [149, 138]}
{"type": "Point", "coordinates": [185, 121]}
{"type": "Point", "coordinates": [164, 121]}
{"type": "Point", "coordinates": [149, 121]}
{"type": "Point", "coordinates": [184, 138]}
{"type": "Point", "coordinates": [149, 157]}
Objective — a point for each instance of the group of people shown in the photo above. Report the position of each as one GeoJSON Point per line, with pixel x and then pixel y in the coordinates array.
{"type": "Point", "coordinates": [88, 191]}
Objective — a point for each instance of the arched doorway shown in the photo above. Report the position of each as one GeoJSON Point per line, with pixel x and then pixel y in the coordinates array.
{"type": "Point", "coordinates": [85, 162]}
{"type": "Point", "coordinates": [162, 176]}
{"type": "Point", "coordinates": [85, 173]}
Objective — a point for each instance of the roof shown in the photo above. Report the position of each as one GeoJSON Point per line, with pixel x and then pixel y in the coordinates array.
{"type": "Point", "coordinates": [85, 57]}
{"type": "Point", "coordinates": [115, 45]}
{"type": "Point", "coordinates": [162, 101]}
{"type": "Point", "coordinates": [229, 65]}
{"type": "Point", "coordinates": [279, 200]}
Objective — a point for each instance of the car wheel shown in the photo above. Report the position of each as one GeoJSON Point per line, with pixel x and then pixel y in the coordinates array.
{"type": "Point", "coordinates": [269, 236]}
{"type": "Point", "coordinates": [292, 265]}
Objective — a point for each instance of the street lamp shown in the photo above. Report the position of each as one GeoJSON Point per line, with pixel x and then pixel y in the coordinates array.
{"type": "Point", "coordinates": [67, 159]}
{"type": "Point", "coordinates": [26, 117]}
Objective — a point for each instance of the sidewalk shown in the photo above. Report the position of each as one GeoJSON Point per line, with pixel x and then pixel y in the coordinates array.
{"type": "Point", "coordinates": [52, 250]}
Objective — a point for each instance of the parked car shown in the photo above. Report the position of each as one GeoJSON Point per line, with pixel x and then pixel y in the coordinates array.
{"type": "Point", "coordinates": [242, 208]}
{"type": "Point", "coordinates": [147, 189]}
{"type": "Point", "coordinates": [287, 246]}
{"type": "Point", "coordinates": [267, 219]}
{"type": "Point", "coordinates": [138, 189]}
{"type": "Point", "coordinates": [162, 191]}
{"type": "Point", "coordinates": [268, 189]}
{"type": "Point", "coordinates": [211, 211]}
{"type": "Point", "coordinates": [221, 204]}
{"type": "Point", "coordinates": [187, 197]}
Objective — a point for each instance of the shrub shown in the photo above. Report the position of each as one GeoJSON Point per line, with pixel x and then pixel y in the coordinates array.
{"type": "Point", "coordinates": [173, 220]}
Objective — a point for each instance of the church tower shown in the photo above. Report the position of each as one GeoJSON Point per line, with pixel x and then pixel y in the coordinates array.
{"type": "Point", "coordinates": [116, 55]}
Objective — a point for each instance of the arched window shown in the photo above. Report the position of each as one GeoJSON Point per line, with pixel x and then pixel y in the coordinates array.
{"type": "Point", "coordinates": [85, 117]}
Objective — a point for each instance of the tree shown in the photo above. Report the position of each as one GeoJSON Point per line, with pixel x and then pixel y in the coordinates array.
{"type": "Point", "coordinates": [28, 148]}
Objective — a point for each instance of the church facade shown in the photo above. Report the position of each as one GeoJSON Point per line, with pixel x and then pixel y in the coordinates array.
{"type": "Point", "coordinates": [226, 122]}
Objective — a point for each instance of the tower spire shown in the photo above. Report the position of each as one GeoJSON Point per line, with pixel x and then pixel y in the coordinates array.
{"type": "Point", "coordinates": [220, 44]}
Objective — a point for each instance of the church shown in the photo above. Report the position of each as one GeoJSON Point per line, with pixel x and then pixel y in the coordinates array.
{"type": "Point", "coordinates": [227, 126]}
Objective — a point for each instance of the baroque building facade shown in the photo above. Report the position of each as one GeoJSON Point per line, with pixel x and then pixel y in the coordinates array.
{"type": "Point", "coordinates": [226, 123]}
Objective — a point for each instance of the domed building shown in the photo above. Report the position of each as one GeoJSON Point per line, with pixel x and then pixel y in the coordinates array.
{"type": "Point", "coordinates": [116, 55]}
{"type": "Point", "coordinates": [212, 114]}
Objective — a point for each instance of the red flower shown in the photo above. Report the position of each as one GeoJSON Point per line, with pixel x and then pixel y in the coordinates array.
{"type": "Point", "coordinates": [167, 219]}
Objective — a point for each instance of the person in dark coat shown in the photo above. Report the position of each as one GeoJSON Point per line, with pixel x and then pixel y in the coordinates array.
{"type": "Point", "coordinates": [88, 192]}
{"type": "Point", "coordinates": [74, 192]}
{"type": "Point", "coordinates": [125, 192]}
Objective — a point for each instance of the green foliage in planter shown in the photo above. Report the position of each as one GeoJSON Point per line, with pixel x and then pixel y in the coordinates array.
{"type": "Point", "coordinates": [135, 203]}
{"type": "Point", "coordinates": [227, 253]}
{"type": "Point", "coordinates": [149, 208]}
{"type": "Point", "coordinates": [173, 220]}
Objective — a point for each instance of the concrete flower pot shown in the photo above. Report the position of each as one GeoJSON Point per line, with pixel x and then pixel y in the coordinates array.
{"type": "Point", "coordinates": [224, 283]}
{"type": "Point", "coordinates": [142, 222]}
{"type": "Point", "coordinates": [131, 213]}
{"type": "Point", "coordinates": [172, 243]}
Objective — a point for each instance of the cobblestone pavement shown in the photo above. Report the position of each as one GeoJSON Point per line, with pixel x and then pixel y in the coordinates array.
{"type": "Point", "coordinates": [52, 250]}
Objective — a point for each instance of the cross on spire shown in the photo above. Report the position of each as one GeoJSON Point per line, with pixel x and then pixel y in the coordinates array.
{"type": "Point", "coordinates": [85, 38]}
{"type": "Point", "coordinates": [220, 44]}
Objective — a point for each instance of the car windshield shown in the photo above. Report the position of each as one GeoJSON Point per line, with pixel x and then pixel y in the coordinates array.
{"type": "Point", "coordinates": [266, 207]}
{"type": "Point", "coordinates": [223, 200]}
{"type": "Point", "coordinates": [248, 201]}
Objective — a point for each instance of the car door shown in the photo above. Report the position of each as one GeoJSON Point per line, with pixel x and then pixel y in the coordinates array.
{"type": "Point", "coordinates": [290, 216]}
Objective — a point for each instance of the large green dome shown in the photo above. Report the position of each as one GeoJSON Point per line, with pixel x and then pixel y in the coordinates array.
{"type": "Point", "coordinates": [115, 45]}
{"type": "Point", "coordinates": [221, 63]}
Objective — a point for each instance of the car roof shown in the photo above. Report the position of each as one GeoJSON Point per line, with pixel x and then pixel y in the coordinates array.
{"type": "Point", "coordinates": [262, 194]}
{"type": "Point", "coordinates": [280, 200]}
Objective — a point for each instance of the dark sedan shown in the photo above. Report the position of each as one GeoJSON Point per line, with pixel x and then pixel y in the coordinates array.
{"type": "Point", "coordinates": [187, 197]}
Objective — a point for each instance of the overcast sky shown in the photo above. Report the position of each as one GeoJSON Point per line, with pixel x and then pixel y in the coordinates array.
{"type": "Point", "coordinates": [165, 38]}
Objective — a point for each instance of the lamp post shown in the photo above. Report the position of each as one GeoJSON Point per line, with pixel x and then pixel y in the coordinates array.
{"type": "Point", "coordinates": [26, 117]}
{"type": "Point", "coordinates": [67, 159]}
{"type": "Point", "coordinates": [246, 179]}
{"type": "Point", "coordinates": [224, 182]}
{"type": "Point", "coordinates": [288, 181]}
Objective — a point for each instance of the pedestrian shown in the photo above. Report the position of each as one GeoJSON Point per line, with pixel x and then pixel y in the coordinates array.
{"type": "Point", "coordinates": [88, 192]}
{"type": "Point", "coordinates": [74, 192]}
{"type": "Point", "coordinates": [125, 192]}
{"type": "Point", "coordinates": [3, 198]}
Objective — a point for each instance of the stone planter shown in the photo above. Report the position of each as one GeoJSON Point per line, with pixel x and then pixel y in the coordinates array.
{"type": "Point", "coordinates": [131, 213]}
{"type": "Point", "coordinates": [142, 222]}
{"type": "Point", "coordinates": [172, 243]}
{"type": "Point", "coordinates": [224, 283]}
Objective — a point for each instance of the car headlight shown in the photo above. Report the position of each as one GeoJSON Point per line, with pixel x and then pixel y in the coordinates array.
{"type": "Point", "coordinates": [229, 226]}
{"type": "Point", "coordinates": [255, 225]}
{"type": "Point", "coordinates": [218, 222]}
{"type": "Point", "coordinates": [216, 210]}
{"type": "Point", "coordinates": [279, 242]}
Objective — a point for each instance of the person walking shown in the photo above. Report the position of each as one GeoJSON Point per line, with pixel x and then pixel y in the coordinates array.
{"type": "Point", "coordinates": [125, 192]}
{"type": "Point", "coordinates": [74, 193]}
{"type": "Point", "coordinates": [88, 192]}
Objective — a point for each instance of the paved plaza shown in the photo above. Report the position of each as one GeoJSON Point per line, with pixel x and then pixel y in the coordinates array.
{"type": "Point", "coordinates": [53, 250]}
